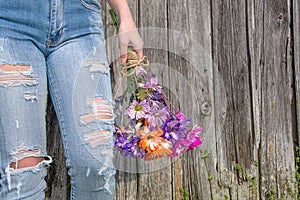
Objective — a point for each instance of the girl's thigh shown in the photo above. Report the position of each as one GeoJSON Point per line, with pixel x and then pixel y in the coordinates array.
{"type": "Point", "coordinates": [80, 88]}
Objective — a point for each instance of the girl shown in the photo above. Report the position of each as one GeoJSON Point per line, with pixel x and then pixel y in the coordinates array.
{"type": "Point", "coordinates": [58, 45]}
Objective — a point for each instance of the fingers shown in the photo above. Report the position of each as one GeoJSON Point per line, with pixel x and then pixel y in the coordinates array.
{"type": "Point", "coordinates": [133, 39]}
{"type": "Point", "coordinates": [139, 52]}
{"type": "Point", "coordinates": [138, 45]}
{"type": "Point", "coordinates": [123, 49]}
{"type": "Point", "coordinates": [123, 58]}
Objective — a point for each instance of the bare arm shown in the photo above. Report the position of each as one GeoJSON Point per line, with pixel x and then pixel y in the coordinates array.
{"type": "Point", "coordinates": [128, 34]}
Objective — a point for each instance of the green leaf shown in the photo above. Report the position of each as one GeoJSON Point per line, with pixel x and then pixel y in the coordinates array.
{"type": "Point", "coordinates": [130, 48]}
{"type": "Point", "coordinates": [205, 153]}
{"type": "Point", "coordinates": [141, 93]}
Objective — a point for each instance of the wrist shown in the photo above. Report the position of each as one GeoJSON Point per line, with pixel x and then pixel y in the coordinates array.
{"type": "Point", "coordinates": [124, 16]}
{"type": "Point", "coordinates": [123, 12]}
{"type": "Point", "coordinates": [126, 21]}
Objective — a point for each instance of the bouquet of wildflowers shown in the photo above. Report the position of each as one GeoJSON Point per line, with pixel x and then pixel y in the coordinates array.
{"type": "Point", "coordinates": [155, 128]}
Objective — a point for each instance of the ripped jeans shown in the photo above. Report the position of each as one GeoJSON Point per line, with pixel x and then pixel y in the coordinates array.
{"type": "Point", "coordinates": [56, 46]}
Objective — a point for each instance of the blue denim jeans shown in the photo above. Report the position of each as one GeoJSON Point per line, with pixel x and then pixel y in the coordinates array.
{"type": "Point", "coordinates": [56, 46]}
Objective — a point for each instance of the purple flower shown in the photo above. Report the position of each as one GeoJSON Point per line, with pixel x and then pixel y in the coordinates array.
{"type": "Point", "coordinates": [155, 128]}
{"type": "Point", "coordinates": [138, 110]}
{"type": "Point", "coordinates": [140, 71]}
{"type": "Point", "coordinates": [152, 84]}
{"type": "Point", "coordinates": [157, 117]}
{"type": "Point", "coordinates": [121, 137]}
{"type": "Point", "coordinates": [128, 143]}
{"type": "Point", "coordinates": [175, 129]}
{"type": "Point", "coordinates": [157, 96]}
{"type": "Point", "coordinates": [132, 149]}
{"type": "Point", "coordinates": [187, 143]}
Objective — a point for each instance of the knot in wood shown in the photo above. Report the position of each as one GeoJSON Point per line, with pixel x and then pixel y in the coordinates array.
{"type": "Point", "coordinates": [206, 108]}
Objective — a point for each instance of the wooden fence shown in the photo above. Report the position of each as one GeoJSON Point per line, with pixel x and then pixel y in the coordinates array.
{"type": "Point", "coordinates": [240, 66]}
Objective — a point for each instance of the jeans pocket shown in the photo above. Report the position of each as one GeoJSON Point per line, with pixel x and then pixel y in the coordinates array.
{"type": "Point", "coordinates": [93, 5]}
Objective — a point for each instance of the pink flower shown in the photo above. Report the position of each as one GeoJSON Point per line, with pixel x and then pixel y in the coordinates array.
{"type": "Point", "coordinates": [180, 115]}
{"type": "Point", "coordinates": [195, 143]}
{"type": "Point", "coordinates": [188, 143]}
{"type": "Point", "coordinates": [193, 137]}
{"type": "Point", "coordinates": [179, 148]}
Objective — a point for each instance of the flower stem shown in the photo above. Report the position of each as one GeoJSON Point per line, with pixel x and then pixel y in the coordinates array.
{"type": "Point", "coordinates": [114, 19]}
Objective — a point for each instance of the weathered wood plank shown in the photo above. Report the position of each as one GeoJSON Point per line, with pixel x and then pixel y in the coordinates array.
{"type": "Point", "coordinates": [296, 61]}
{"type": "Point", "coordinates": [206, 111]}
{"type": "Point", "coordinates": [220, 30]}
{"type": "Point", "coordinates": [296, 57]}
{"type": "Point", "coordinates": [235, 152]}
{"type": "Point", "coordinates": [255, 26]}
{"type": "Point", "coordinates": [190, 60]}
{"type": "Point", "coordinates": [57, 178]}
{"type": "Point", "coordinates": [276, 158]}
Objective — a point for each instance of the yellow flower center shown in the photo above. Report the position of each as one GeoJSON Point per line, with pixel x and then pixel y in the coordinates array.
{"type": "Point", "coordinates": [138, 108]}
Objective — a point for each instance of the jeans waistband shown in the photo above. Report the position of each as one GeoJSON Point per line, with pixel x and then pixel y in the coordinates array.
{"type": "Point", "coordinates": [49, 23]}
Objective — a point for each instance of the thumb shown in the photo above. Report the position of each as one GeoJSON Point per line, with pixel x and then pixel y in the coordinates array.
{"type": "Point", "coordinates": [123, 58]}
{"type": "Point", "coordinates": [123, 48]}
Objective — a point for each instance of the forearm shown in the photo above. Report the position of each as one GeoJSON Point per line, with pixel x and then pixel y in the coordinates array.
{"type": "Point", "coordinates": [121, 9]}
{"type": "Point", "coordinates": [128, 34]}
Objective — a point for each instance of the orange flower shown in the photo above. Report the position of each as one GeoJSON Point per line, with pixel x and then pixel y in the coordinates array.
{"type": "Point", "coordinates": [143, 122]}
{"type": "Point", "coordinates": [151, 141]}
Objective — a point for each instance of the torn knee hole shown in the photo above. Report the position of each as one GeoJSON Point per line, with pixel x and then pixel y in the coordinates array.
{"type": "Point", "coordinates": [30, 161]}
{"type": "Point", "coordinates": [25, 158]}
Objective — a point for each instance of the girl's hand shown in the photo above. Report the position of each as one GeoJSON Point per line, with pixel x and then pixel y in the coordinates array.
{"type": "Point", "coordinates": [129, 36]}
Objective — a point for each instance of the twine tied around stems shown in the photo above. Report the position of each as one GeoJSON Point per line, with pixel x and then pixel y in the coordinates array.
{"type": "Point", "coordinates": [133, 62]}
{"type": "Point", "coordinates": [129, 68]}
